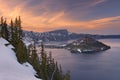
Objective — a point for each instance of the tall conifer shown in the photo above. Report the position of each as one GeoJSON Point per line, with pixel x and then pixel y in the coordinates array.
{"type": "Point", "coordinates": [4, 31]}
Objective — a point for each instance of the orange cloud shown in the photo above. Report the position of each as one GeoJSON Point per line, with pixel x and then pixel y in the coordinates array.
{"type": "Point", "coordinates": [52, 20]}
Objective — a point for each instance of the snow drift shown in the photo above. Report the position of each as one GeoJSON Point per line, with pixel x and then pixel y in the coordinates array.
{"type": "Point", "coordinates": [10, 68]}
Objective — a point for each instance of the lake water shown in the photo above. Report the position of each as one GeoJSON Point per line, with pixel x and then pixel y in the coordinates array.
{"type": "Point", "coordinates": [97, 66]}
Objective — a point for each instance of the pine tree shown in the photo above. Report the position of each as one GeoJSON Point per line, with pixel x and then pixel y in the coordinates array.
{"type": "Point", "coordinates": [34, 59]}
{"type": "Point", "coordinates": [67, 76]}
{"type": "Point", "coordinates": [44, 63]}
{"type": "Point", "coordinates": [4, 30]}
{"type": "Point", "coordinates": [20, 28]}
{"type": "Point", "coordinates": [50, 69]}
{"type": "Point", "coordinates": [21, 52]}
{"type": "Point", "coordinates": [20, 48]}
{"type": "Point", "coordinates": [1, 22]}
{"type": "Point", "coordinates": [15, 32]}
{"type": "Point", "coordinates": [12, 32]}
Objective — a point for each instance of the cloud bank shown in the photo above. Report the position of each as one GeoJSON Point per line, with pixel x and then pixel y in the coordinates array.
{"type": "Point", "coordinates": [46, 15]}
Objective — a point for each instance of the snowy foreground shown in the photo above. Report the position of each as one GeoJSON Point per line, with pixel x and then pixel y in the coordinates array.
{"type": "Point", "coordinates": [10, 68]}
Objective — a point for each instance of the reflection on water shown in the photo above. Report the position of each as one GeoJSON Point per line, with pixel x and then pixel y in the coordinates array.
{"type": "Point", "coordinates": [98, 66]}
{"type": "Point", "coordinates": [112, 42]}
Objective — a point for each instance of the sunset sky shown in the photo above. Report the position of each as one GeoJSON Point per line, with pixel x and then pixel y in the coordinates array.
{"type": "Point", "coordinates": [81, 16]}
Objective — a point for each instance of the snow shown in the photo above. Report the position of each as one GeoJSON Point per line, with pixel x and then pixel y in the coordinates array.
{"type": "Point", "coordinates": [81, 41]}
{"type": "Point", "coordinates": [87, 50]}
{"type": "Point", "coordinates": [63, 45]}
{"type": "Point", "coordinates": [74, 44]}
{"type": "Point", "coordinates": [29, 67]}
{"type": "Point", "coordinates": [27, 43]}
{"type": "Point", "coordinates": [79, 50]}
{"type": "Point", "coordinates": [102, 48]}
{"type": "Point", "coordinates": [10, 68]}
{"type": "Point", "coordinates": [69, 33]}
{"type": "Point", "coordinates": [10, 46]}
{"type": "Point", "coordinates": [40, 41]}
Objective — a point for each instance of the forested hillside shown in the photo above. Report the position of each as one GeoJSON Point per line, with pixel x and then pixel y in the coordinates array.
{"type": "Point", "coordinates": [43, 63]}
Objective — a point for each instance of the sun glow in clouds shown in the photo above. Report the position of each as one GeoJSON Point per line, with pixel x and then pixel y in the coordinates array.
{"type": "Point", "coordinates": [45, 15]}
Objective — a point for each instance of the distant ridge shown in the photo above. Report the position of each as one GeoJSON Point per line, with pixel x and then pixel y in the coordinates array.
{"type": "Point", "coordinates": [62, 35]}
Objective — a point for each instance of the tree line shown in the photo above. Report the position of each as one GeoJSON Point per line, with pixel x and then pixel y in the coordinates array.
{"type": "Point", "coordinates": [44, 64]}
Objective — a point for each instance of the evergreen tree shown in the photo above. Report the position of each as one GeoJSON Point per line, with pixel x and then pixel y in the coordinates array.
{"type": "Point", "coordinates": [50, 69]}
{"type": "Point", "coordinates": [34, 59]}
{"type": "Point", "coordinates": [44, 64]}
{"type": "Point", "coordinates": [20, 48]}
{"type": "Point", "coordinates": [67, 76]}
{"type": "Point", "coordinates": [20, 28]}
{"type": "Point", "coordinates": [16, 35]}
{"type": "Point", "coordinates": [12, 32]}
{"type": "Point", "coordinates": [21, 52]}
{"type": "Point", "coordinates": [4, 30]}
{"type": "Point", "coordinates": [1, 22]}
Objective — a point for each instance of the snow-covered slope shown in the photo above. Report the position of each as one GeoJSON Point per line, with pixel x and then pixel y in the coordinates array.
{"type": "Point", "coordinates": [10, 69]}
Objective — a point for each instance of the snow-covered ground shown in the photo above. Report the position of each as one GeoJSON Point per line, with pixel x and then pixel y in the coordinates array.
{"type": "Point", "coordinates": [10, 68]}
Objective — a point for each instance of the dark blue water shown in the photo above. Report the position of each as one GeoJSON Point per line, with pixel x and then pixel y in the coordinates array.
{"type": "Point", "coordinates": [98, 66]}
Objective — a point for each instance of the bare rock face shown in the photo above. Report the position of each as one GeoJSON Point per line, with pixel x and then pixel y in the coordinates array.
{"type": "Point", "coordinates": [87, 45]}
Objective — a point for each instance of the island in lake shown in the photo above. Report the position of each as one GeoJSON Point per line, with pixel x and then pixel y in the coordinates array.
{"type": "Point", "coordinates": [86, 45]}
